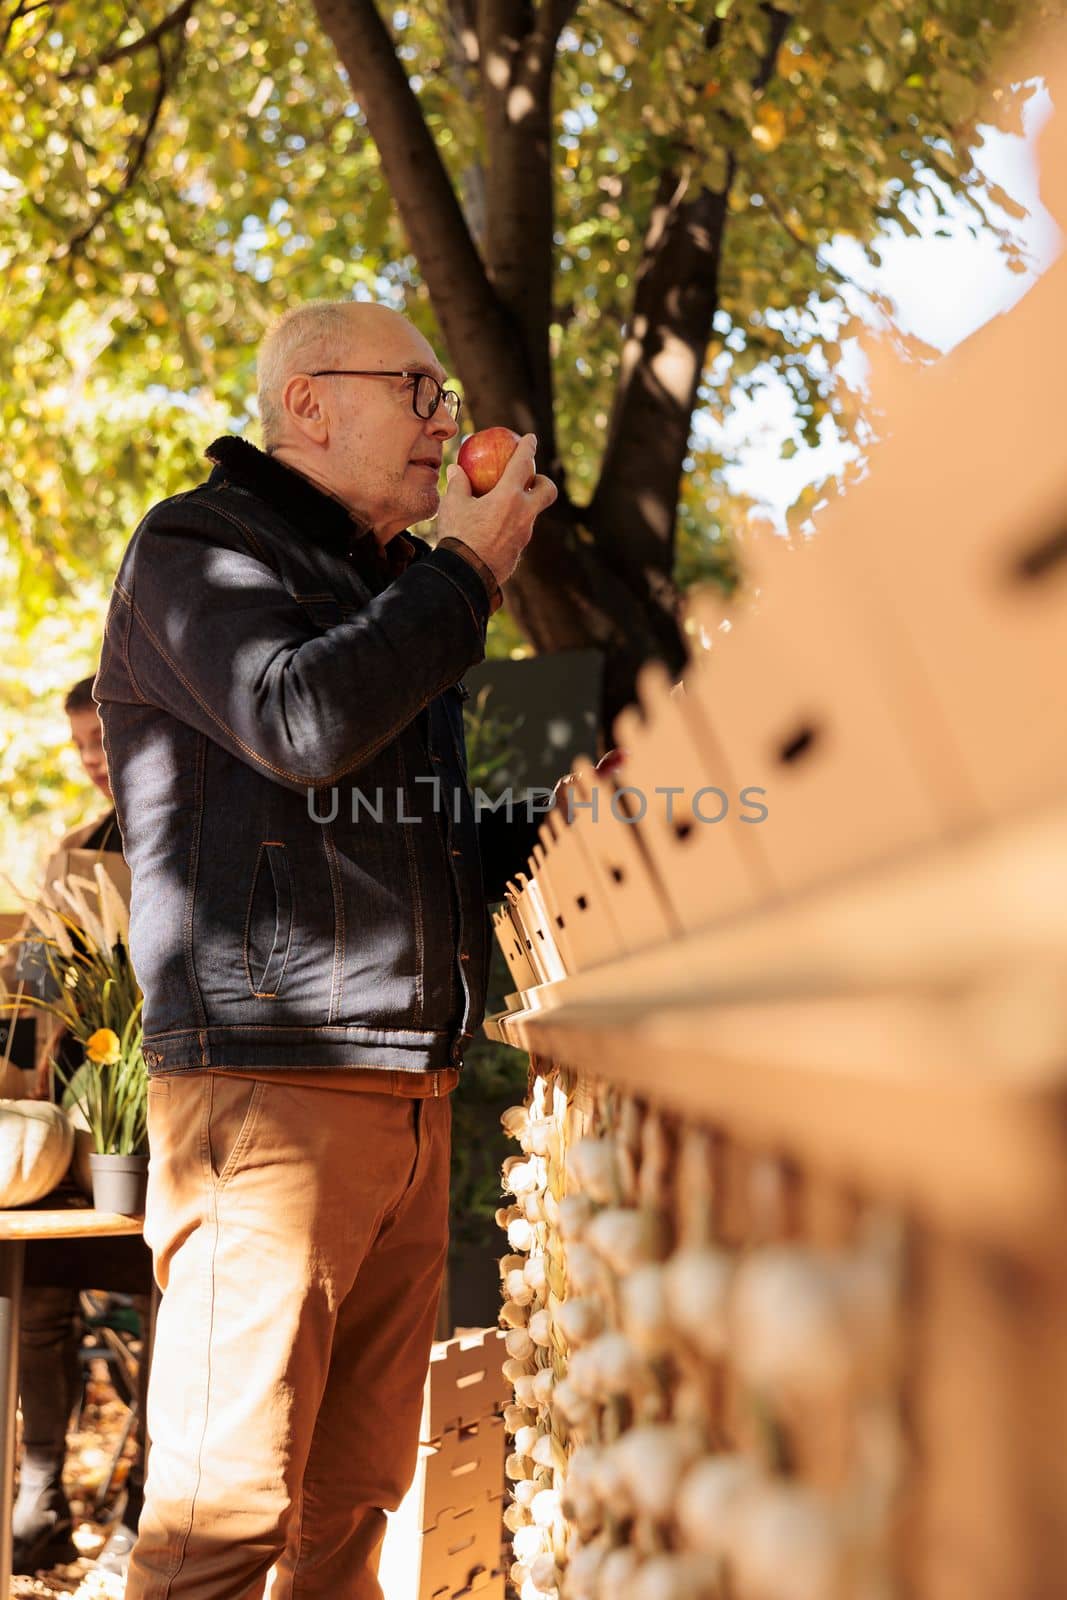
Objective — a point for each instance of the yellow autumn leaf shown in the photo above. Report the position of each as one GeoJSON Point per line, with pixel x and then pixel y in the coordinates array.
{"type": "Point", "coordinates": [103, 1047]}
{"type": "Point", "coordinates": [768, 128]}
{"type": "Point", "coordinates": [791, 60]}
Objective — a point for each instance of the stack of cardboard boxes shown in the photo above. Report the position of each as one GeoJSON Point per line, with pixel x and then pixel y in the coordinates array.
{"type": "Point", "coordinates": [445, 1540]}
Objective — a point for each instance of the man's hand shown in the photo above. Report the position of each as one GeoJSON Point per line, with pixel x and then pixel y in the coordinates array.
{"type": "Point", "coordinates": [562, 795]}
{"type": "Point", "coordinates": [497, 526]}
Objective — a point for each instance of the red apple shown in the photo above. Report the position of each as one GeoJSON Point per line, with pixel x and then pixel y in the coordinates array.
{"type": "Point", "coordinates": [483, 457]}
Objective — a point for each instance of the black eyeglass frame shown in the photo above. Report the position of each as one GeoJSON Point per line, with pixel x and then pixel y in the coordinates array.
{"type": "Point", "coordinates": [447, 395]}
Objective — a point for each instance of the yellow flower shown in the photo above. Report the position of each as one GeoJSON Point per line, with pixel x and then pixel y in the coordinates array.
{"type": "Point", "coordinates": [103, 1047]}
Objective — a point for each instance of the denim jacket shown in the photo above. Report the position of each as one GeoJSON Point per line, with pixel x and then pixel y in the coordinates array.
{"type": "Point", "coordinates": [281, 705]}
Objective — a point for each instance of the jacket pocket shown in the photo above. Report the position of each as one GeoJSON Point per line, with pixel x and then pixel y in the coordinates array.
{"type": "Point", "coordinates": [268, 921]}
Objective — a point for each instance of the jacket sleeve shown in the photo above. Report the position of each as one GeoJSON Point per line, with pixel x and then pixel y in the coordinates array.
{"type": "Point", "coordinates": [202, 627]}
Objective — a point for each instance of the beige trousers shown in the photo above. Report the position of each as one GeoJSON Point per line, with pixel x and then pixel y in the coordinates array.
{"type": "Point", "coordinates": [299, 1237]}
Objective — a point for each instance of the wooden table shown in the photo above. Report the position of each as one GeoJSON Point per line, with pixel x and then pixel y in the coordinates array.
{"type": "Point", "coordinates": [70, 1221]}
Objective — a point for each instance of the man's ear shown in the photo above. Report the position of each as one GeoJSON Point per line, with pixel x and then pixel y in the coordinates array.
{"type": "Point", "coordinates": [303, 408]}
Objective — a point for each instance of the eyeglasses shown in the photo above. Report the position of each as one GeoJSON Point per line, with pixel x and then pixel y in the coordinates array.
{"type": "Point", "coordinates": [426, 394]}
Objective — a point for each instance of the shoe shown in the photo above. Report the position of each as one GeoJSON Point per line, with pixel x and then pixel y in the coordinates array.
{"type": "Point", "coordinates": [115, 1556]}
{"type": "Point", "coordinates": [41, 1526]}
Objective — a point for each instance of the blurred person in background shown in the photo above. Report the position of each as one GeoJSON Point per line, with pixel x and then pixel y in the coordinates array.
{"type": "Point", "coordinates": [50, 1329]}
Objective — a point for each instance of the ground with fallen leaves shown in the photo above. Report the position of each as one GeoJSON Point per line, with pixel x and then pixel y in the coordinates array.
{"type": "Point", "coordinates": [89, 1454]}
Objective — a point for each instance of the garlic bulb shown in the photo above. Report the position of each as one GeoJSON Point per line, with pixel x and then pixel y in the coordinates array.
{"type": "Point", "coordinates": [518, 1291]}
{"type": "Point", "coordinates": [514, 1121]}
{"type": "Point", "coordinates": [789, 1319]}
{"type": "Point", "coordinates": [533, 1207]}
{"type": "Point", "coordinates": [583, 1564]}
{"type": "Point", "coordinates": [524, 1177]}
{"type": "Point", "coordinates": [580, 1504]}
{"type": "Point", "coordinates": [544, 1382]}
{"type": "Point", "coordinates": [515, 1517]}
{"type": "Point", "coordinates": [511, 1263]}
{"type": "Point", "coordinates": [521, 1235]}
{"type": "Point", "coordinates": [580, 1320]}
{"type": "Point", "coordinates": [530, 1591]}
{"type": "Point", "coordinates": [585, 1270]}
{"type": "Point", "coordinates": [525, 1439]}
{"type": "Point", "coordinates": [544, 1574]}
{"type": "Point", "coordinates": [523, 1492]}
{"type": "Point", "coordinates": [610, 1485]}
{"type": "Point", "coordinates": [515, 1368]}
{"type": "Point", "coordinates": [616, 1569]}
{"type": "Point", "coordinates": [625, 1239]}
{"type": "Point", "coordinates": [535, 1273]}
{"type": "Point", "coordinates": [548, 1452]}
{"type": "Point", "coordinates": [707, 1497]}
{"type": "Point", "coordinates": [643, 1305]}
{"type": "Point", "coordinates": [575, 1212]}
{"type": "Point", "coordinates": [517, 1343]}
{"type": "Point", "coordinates": [591, 1165]}
{"type": "Point", "coordinates": [784, 1545]}
{"type": "Point", "coordinates": [681, 1576]}
{"type": "Point", "coordinates": [506, 1214]}
{"type": "Point", "coordinates": [607, 1366]}
{"type": "Point", "coordinates": [652, 1460]}
{"type": "Point", "coordinates": [523, 1385]}
{"type": "Point", "coordinates": [516, 1417]}
{"type": "Point", "coordinates": [514, 1316]}
{"type": "Point", "coordinates": [697, 1289]}
{"type": "Point", "coordinates": [540, 1327]}
{"type": "Point", "coordinates": [544, 1138]}
{"type": "Point", "coordinates": [528, 1544]}
{"type": "Point", "coordinates": [515, 1466]}
{"type": "Point", "coordinates": [583, 1465]}
{"type": "Point", "coordinates": [573, 1406]}
{"type": "Point", "coordinates": [545, 1508]}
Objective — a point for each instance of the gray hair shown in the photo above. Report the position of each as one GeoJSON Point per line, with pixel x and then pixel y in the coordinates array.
{"type": "Point", "coordinates": [300, 341]}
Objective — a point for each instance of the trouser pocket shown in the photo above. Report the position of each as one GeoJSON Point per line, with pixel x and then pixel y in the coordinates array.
{"type": "Point", "coordinates": [231, 1107]}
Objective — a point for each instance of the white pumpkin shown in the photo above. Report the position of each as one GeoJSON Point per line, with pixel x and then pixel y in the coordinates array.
{"type": "Point", "coordinates": [36, 1142]}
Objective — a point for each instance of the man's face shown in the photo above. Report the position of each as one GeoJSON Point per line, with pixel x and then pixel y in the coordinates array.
{"type": "Point", "coordinates": [87, 734]}
{"type": "Point", "coordinates": [383, 461]}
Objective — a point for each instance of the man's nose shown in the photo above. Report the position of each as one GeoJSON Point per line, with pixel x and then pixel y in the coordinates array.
{"type": "Point", "coordinates": [441, 425]}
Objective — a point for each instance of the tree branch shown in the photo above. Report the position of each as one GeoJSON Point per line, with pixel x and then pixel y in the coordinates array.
{"type": "Point", "coordinates": [517, 46]}
{"type": "Point", "coordinates": [634, 509]}
{"type": "Point", "coordinates": [176, 19]}
{"type": "Point", "coordinates": [635, 505]}
{"type": "Point", "coordinates": [560, 13]}
{"type": "Point", "coordinates": [628, 11]}
{"type": "Point", "coordinates": [20, 10]}
{"type": "Point", "coordinates": [779, 27]}
{"type": "Point", "coordinates": [479, 334]}
{"type": "Point", "coordinates": [134, 165]}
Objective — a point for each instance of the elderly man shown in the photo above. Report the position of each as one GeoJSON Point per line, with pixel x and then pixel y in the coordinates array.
{"type": "Point", "coordinates": [280, 689]}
